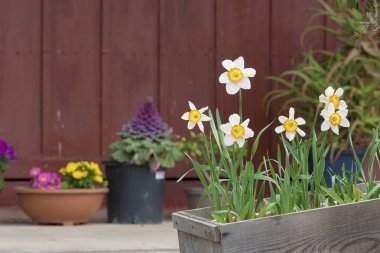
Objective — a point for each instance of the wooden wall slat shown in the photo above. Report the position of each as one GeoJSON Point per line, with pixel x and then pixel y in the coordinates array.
{"type": "Point", "coordinates": [129, 62]}
{"type": "Point", "coordinates": [186, 61]}
{"type": "Point", "coordinates": [243, 30]}
{"type": "Point", "coordinates": [286, 30]}
{"type": "Point", "coordinates": [20, 75]}
{"type": "Point", "coordinates": [71, 78]}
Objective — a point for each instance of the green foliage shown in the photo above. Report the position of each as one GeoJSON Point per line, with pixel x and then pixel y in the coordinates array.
{"type": "Point", "coordinates": [234, 186]}
{"type": "Point", "coordinates": [354, 66]}
{"type": "Point", "coordinates": [193, 144]}
{"type": "Point", "coordinates": [139, 149]}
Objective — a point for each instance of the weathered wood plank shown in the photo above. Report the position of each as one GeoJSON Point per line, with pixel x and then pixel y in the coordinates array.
{"type": "Point", "coordinates": [71, 78]}
{"type": "Point", "coordinates": [187, 70]}
{"type": "Point", "coordinates": [192, 244]}
{"type": "Point", "coordinates": [20, 75]}
{"type": "Point", "coordinates": [129, 62]}
{"type": "Point", "coordinates": [344, 228]}
{"type": "Point", "coordinates": [196, 225]}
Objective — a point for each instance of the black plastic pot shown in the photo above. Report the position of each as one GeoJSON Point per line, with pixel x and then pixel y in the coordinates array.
{"type": "Point", "coordinates": [136, 194]}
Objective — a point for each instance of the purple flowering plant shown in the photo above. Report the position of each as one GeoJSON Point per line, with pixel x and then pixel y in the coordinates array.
{"type": "Point", "coordinates": [44, 180]}
{"type": "Point", "coordinates": [7, 153]}
{"type": "Point", "coordinates": [147, 139]}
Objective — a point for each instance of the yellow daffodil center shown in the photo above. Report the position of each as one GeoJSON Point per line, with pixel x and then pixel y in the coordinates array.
{"type": "Point", "coordinates": [335, 119]}
{"type": "Point", "coordinates": [335, 100]}
{"type": "Point", "coordinates": [194, 116]}
{"type": "Point", "coordinates": [290, 125]}
{"type": "Point", "coordinates": [235, 75]}
{"type": "Point", "coordinates": [237, 131]}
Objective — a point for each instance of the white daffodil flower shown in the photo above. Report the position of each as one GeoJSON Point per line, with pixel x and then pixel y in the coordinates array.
{"type": "Point", "coordinates": [195, 117]}
{"type": "Point", "coordinates": [236, 132]}
{"type": "Point", "coordinates": [332, 96]}
{"type": "Point", "coordinates": [236, 77]}
{"type": "Point", "coordinates": [290, 125]}
{"type": "Point", "coordinates": [334, 119]}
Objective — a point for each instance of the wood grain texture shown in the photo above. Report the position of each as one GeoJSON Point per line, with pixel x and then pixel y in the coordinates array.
{"type": "Point", "coordinates": [197, 225]}
{"type": "Point", "coordinates": [20, 75]}
{"type": "Point", "coordinates": [344, 228]}
{"type": "Point", "coordinates": [129, 62]}
{"type": "Point", "coordinates": [190, 244]}
{"type": "Point", "coordinates": [71, 79]}
{"type": "Point", "coordinates": [186, 58]}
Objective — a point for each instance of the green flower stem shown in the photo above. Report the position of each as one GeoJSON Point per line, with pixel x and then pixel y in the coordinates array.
{"type": "Point", "coordinates": [240, 106]}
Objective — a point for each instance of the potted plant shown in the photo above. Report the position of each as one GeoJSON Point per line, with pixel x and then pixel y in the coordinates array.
{"type": "Point", "coordinates": [301, 213]}
{"type": "Point", "coordinates": [70, 198]}
{"type": "Point", "coordinates": [136, 168]}
{"type": "Point", "coordinates": [354, 66]}
{"type": "Point", "coordinates": [7, 153]}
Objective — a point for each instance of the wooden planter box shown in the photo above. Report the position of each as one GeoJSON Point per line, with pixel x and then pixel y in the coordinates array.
{"type": "Point", "coordinates": [345, 228]}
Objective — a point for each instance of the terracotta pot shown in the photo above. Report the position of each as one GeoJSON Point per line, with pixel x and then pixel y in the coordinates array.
{"type": "Point", "coordinates": [67, 207]}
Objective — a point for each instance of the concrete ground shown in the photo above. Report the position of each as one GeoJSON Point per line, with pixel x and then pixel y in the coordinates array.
{"type": "Point", "coordinates": [19, 235]}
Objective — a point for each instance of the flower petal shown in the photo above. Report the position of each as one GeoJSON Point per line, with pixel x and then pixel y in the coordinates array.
{"type": "Point", "coordinates": [239, 63]}
{"type": "Point", "coordinates": [248, 133]}
{"type": "Point", "coordinates": [227, 64]}
{"type": "Point", "coordinates": [190, 125]}
{"type": "Point", "coordinates": [234, 119]}
{"type": "Point", "coordinates": [282, 119]}
{"type": "Point", "coordinates": [185, 116]}
{"type": "Point", "coordinates": [322, 98]}
{"type": "Point", "coordinates": [339, 92]}
{"type": "Point", "coordinates": [335, 129]}
{"type": "Point", "coordinates": [245, 83]}
{"type": "Point", "coordinates": [200, 125]}
{"type": "Point", "coordinates": [325, 113]}
{"type": "Point", "coordinates": [203, 109]}
{"type": "Point", "coordinates": [229, 140]}
{"type": "Point", "coordinates": [329, 91]}
{"type": "Point", "coordinates": [300, 121]}
{"type": "Point", "coordinates": [290, 135]}
{"type": "Point", "coordinates": [300, 132]}
{"type": "Point", "coordinates": [226, 128]}
{"type": "Point", "coordinates": [291, 113]}
{"type": "Point", "coordinates": [325, 125]}
{"type": "Point", "coordinates": [223, 78]}
{"type": "Point", "coordinates": [245, 123]}
{"type": "Point", "coordinates": [250, 72]}
{"type": "Point", "coordinates": [343, 113]}
{"type": "Point", "coordinates": [345, 122]}
{"type": "Point", "coordinates": [279, 129]}
{"type": "Point", "coordinates": [330, 108]}
{"type": "Point", "coordinates": [342, 105]}
{"type": "Point", "coordinates": [232, 88]}
{"type": "Point", "coordinates": [205, 118]}
{"type": "Point", "coordinates": [192, 106]}
{"type": "Point", "coordinates": [240, 142]}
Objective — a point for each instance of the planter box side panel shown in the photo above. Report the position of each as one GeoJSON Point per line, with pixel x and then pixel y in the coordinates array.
{"type": "Point", "coordinates": [189, 243]}
{"type": "Point", "coordinates": [345, 228]}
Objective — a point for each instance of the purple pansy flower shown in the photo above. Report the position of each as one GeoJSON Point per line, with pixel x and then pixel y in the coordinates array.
{"type": "Point", "coordinates": [7, 150]}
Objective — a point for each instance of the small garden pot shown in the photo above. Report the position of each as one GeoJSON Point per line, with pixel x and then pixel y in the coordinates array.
{"type": "Point", "coordinates": [136, 194]}
{"type": "Point", "coordinates": [65, 206]}
{"type": "Point", "coordinates": [193, 195]}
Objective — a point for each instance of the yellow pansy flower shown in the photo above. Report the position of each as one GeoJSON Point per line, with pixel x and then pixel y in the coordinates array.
{"type": "Point", "coordinates": [71, 167]}
{"type": "Point", "coordinates": [98, 179]}
{"type": "Point", "coordinates": [77, 174]}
